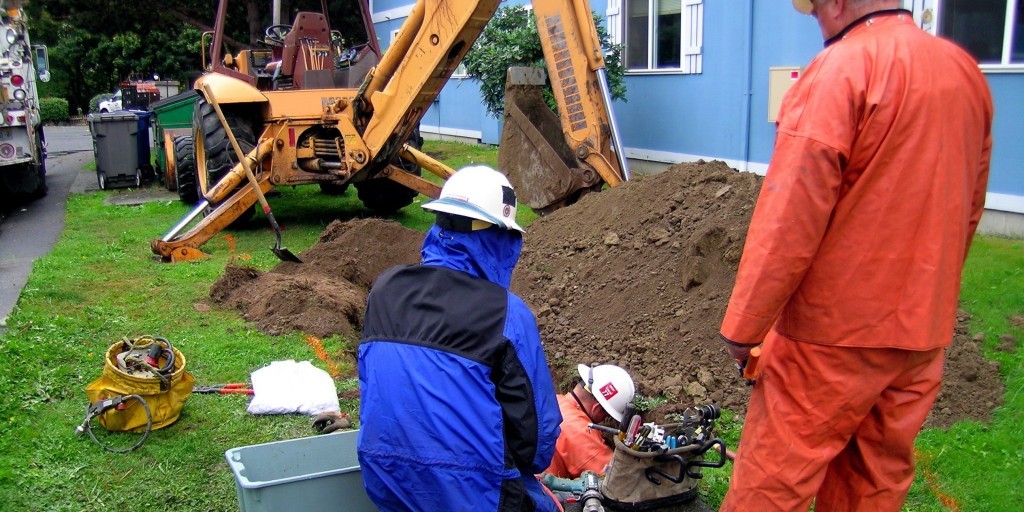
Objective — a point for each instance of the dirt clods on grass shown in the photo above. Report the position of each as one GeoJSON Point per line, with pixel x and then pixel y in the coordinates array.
{"type": "Point", "coordinates": [637, 275]}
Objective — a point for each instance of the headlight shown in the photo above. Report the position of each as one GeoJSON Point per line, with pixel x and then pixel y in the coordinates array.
{"type": "Point", "coordinates": [12, 36]}
{"type": "Point", "coordinates": [20, 94]}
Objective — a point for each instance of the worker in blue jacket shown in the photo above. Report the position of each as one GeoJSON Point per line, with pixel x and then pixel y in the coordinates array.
{"type": "Point", "coordinates": [458, 408]}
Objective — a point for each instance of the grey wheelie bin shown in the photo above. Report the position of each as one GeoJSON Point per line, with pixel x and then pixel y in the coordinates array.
{"type": "Point", "coordinates": [115, 146]}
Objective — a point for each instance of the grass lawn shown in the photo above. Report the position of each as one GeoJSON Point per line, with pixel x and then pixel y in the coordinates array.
{"type": "Point", "coordinates": [101, 283]}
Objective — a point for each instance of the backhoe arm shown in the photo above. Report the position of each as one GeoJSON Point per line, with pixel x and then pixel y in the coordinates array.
{"type": "Point", "coordinates": [553, 160]}
{"type": "Point", "coordinates": [432, 42]}
{"type": "Point", "coordinates": [576, 67]}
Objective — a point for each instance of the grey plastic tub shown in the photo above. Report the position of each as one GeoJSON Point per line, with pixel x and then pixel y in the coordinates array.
{"type": "Point", "coordinates": [311, 473]}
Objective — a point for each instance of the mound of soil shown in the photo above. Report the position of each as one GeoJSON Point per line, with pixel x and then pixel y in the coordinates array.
{"type": "Point", "coordinates": [326, 294]}
{"type": "Point", "coordinates": [638, 275]}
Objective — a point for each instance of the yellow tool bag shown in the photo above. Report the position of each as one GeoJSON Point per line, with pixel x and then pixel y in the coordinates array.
{"type": "Point", "coordinates": [145, 367]}
{"type": "Point", "coordinates": [644, 480]}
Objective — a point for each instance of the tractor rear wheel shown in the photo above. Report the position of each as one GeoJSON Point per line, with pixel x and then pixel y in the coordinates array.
{"type": "Point", "coordinates": [185, 169]}
{"type": "Point", "coordinates": [333, 189]}
{"type": "Point", "coordinates": [216, 149]}
{"type": "Point", "coordinates": [384, 196]}
{"type": "Point", "coordinates": [213, 144]}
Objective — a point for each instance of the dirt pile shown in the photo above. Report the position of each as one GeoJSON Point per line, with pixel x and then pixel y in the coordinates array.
{"type": "Point", "coordinates": [326, 294]}
{"type": "Point", "coordinates": [638, 276]}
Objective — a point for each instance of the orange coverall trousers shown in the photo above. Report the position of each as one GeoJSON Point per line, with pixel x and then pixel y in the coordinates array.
{"type": "Point", "coordinates": [834, 423]}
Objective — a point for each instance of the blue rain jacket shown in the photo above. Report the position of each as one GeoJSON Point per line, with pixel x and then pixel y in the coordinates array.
{"type": "Point", "coordinates": [458, 409]}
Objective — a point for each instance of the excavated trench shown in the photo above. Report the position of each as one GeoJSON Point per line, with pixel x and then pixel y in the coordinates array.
{"type": "Point", "coordinates": [638, 275]}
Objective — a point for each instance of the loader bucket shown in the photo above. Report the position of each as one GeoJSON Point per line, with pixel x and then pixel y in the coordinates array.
{"type": "Point", "coordinates": [533, 152]}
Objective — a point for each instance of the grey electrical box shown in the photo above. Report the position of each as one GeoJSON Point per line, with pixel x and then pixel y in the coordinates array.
{"type": "Point", "coordinates": [780, 79]}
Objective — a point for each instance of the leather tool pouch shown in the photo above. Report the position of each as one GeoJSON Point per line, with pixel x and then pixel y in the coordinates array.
{"type": "Point", "coordinates": [654, 479]}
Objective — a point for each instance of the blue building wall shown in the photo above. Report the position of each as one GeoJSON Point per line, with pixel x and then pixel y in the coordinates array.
{"type": "Point", "coordinates": [722, 113]}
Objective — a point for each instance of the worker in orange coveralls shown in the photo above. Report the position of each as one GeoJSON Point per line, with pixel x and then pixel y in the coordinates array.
{"type": "Point", "coordinates": [851, 268]}
{"type": "Point", "coordinates": [603, 392]}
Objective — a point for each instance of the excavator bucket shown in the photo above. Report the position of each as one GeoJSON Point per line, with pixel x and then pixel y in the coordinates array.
{"type": "Point", "coordinates": [533, 152]}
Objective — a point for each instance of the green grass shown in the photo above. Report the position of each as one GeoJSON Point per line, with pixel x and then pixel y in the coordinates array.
{"type": "Point", "coordinates": [980, 467]}
{"type": "Point", "coordinates": [101, 283]}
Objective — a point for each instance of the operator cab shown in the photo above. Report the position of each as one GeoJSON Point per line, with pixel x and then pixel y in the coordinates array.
{"type": "Point", "coordinates": [309, 55]}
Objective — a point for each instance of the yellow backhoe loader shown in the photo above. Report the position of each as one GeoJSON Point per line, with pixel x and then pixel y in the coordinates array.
{"type": "Point", "coordinates": [294, 112]}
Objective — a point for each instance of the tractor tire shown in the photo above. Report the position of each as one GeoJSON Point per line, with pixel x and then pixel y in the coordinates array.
{"type": "Point", "coordinates": [185, 169]}
{"type": "Point", "coordinates": [216, 147]}
{"type": "Point", "coordinates": [333, 189]}
{"type": "Point", "coordinates": [384, 196]}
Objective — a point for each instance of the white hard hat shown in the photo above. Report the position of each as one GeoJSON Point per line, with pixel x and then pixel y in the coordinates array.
{"type": "Point", "coordinates": [611, 386]}
{"type": "Point", "coordinates": [481, 193]}
{"type": "Point", "coordinates": [803, 6]}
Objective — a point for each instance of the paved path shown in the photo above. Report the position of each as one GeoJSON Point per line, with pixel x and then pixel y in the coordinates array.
{"type": "Point", "coordinates": [28, 231]}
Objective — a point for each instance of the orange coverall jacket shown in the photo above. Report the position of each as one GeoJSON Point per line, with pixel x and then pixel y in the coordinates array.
{"type": "Point", "coordinates": [872, 196]}
{"type": "Point", "coordinates": [578, 448]}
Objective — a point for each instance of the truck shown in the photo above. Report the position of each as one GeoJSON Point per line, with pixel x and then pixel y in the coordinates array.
{"type": "Point", "coordinates": [111, 103]}
{"type": "Point", "coordinates": [22, 142]}
{"type": "Point", "coordinates": [306, 111]}
{"type": "Point", "coordinates": [131, 95]}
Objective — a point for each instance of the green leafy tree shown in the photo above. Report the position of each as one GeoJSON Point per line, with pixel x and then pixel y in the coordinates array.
{"type": "Point", "coordinates": [511, 39]}
{"type": "Point", "coordinates": [96, 44]}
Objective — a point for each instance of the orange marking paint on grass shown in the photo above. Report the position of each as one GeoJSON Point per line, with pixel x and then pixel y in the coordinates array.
{"type": "Point", "coordinates": [321, 354]}
{"type": "Point", "coordinates": [932, 480]}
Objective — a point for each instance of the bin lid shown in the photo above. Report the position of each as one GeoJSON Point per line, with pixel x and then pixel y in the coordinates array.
{"type": "Point", "coordinates": [170, 101]}
{"type": "Point", "coordinates": [120, 115]}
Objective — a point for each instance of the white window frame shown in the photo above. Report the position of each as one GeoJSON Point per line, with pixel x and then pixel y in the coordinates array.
{"type": "Point", "coordinates": [691, 35]}
{"type": "Point", "coordinates": [928, 13]}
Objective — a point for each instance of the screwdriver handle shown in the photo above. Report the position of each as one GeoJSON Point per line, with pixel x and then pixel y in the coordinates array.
{"type": "Point", "coordinates": [750, 369]}
{"type": "Point", "coordinates": [626, 416]}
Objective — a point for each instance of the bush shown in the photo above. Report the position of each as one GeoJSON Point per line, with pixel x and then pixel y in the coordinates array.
{"type": "Point", "coordinates": [94, 102]}
{"type": "Point", "coordinates": [511, 39]}
{"type": "Point", "coordinates": [53, 110]}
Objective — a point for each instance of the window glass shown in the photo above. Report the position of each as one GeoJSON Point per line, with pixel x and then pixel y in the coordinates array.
{"type": "Point", "coordinates": [978, 26]}
{"type": "Point", "coordinates": [668, 28]}
{"type": "Point", "coordinates": [1017, 56]}
{"type": "Point", "coordinates": [637, 33]}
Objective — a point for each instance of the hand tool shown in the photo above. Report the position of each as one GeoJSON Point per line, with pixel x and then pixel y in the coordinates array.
{"type": "Point", "coordinates": [634, 427]}
{"type": "Point", "coordinates": [627, 414]}
{"type": "Point", "coordinates": [327, 422]}
{"type": "Point", "coordinates": [116, 402]}
{"type": "Point", "coordinates": [241, 388]}
{"type": "Point", "coordinates": [592, 497]}
{"type": "Point", "coordinates": [749, 369]}
{"type": "Point", "coordinates": [603, 428]}
{"type": "Point", "coordinates": [282, 253]}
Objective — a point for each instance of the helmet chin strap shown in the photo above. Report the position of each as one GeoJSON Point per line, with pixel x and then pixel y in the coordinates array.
{"type": "Point", "coordinates": [582, 407]}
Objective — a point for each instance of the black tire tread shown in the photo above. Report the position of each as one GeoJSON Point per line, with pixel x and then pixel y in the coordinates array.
{"type": "Point", "coordinates": [384, 196]}
{"type": "Point", "coordinates": [220, 155]}
{"type": "Point", "coordinates": [185, 169]}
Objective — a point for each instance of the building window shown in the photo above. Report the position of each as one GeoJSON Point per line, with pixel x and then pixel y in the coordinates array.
{"type": "Point", "coordinates": [990, 30]}
{"type": "Point", "coordinates": [659, 35]}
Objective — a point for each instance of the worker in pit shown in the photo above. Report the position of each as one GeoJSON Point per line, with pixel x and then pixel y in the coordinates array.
{"type": "Point", "coordinates": [602, 392]}
{"type": "Point", "coordinates": [458, 407]}
{"type": "Point", "coordinates": [850, 272]}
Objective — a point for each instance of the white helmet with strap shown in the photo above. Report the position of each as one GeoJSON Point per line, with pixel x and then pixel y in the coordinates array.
{"type": "Point", "coordinates": [611, 386]}
{"type": "Point", "coordinates": [478, 192]}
